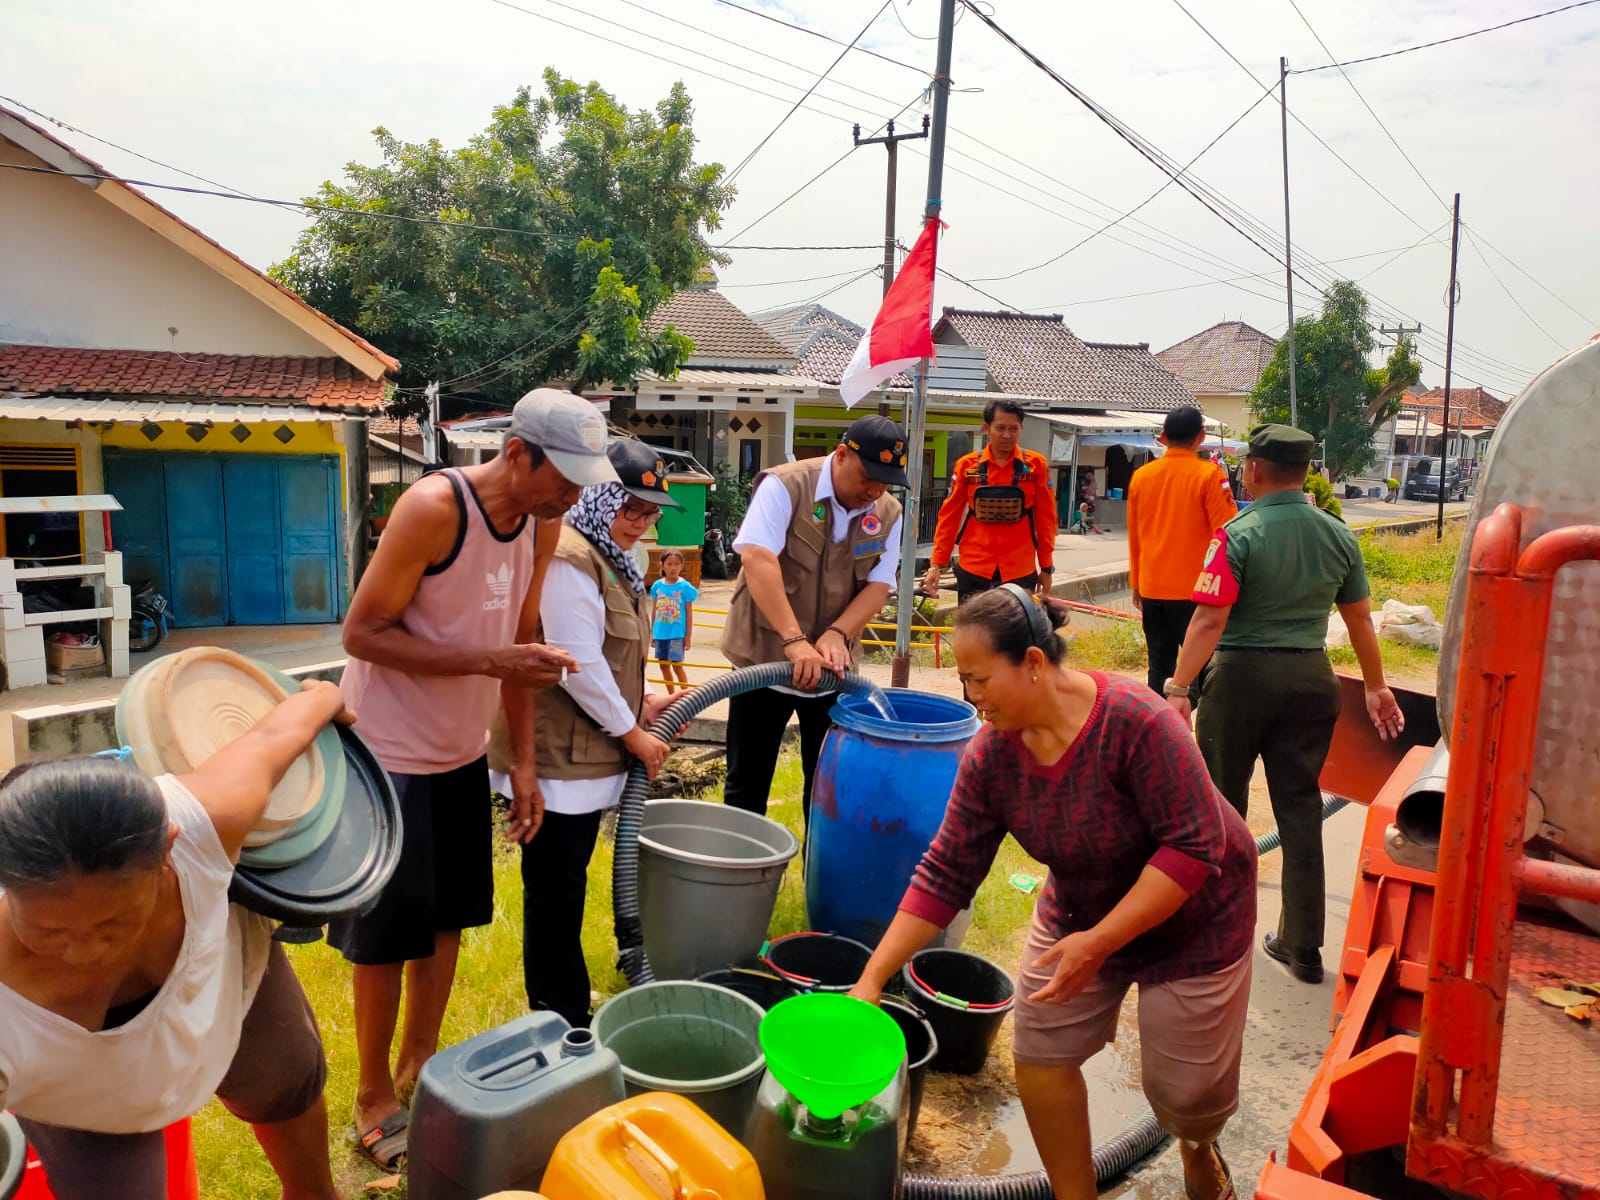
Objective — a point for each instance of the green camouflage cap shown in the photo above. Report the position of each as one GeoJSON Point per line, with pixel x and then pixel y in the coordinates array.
{"type": "Point", "coordinates": [1282, 444]}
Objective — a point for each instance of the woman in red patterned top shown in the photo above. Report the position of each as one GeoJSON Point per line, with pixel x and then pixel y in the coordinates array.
{"type": "Point", "coordinates": [1152, 881]}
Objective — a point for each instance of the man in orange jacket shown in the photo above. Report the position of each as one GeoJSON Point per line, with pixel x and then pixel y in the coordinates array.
{"type": "Point", "coordinates": [1175, 504]}
{"type": "Point", "coordinates": [1001, 512]}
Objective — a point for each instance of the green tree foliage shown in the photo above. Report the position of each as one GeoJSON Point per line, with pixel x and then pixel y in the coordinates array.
{"type": "Point", "coordinates": [1342, 399]}
{"type": "Point", "coordinates": [608, 215]}
{"type": "Point", "coordinates": [1322, 492]}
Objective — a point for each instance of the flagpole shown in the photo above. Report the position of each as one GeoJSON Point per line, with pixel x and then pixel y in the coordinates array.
{"type": "Point", "coordinates": [916, 418]}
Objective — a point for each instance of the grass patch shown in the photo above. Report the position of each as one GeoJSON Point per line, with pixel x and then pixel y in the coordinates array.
{"type": "Point", "coordinates": [489, 992]}
{"type": "Point", "coordinates": [1412, 568]}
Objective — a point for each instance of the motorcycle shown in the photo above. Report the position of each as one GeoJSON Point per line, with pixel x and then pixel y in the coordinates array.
{"type": "Point", "coordinates": [717, 559]}
{"type": "Point", "coordinates": [147, 623]}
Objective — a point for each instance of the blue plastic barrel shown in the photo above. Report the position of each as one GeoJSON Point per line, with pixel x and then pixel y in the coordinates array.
{"type": "Point", "coordinates": [880, 794]}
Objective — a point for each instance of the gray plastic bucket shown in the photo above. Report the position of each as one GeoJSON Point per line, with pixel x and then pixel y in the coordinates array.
{"type": "Point", "coordinates": [708, 881]}
{"type": "Point", "coordinates": [13, 1156]}
{"type": "Point", "coordinates": [694, 1039]}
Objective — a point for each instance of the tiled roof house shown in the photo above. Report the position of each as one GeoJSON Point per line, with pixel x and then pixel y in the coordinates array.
{"type": "Point", "coordinates": [141, 359]}
{"type": "Point", "coordinates": [1222, 366]}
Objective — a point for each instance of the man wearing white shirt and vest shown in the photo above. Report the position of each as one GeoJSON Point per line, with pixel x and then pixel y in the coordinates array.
{"type": "Point", "coordinates": [820, 545]}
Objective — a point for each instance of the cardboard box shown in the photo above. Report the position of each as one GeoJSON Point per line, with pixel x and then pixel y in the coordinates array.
{"type": "Point", "coordinates": [81, 660]}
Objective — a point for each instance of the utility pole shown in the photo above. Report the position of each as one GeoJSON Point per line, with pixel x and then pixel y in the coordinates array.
{"type": "Point", "coordinates": [1449, 348]}
{"type": "Point", "coordinates": [900, 672]}
{"type": "Point", "coordinates": [890, 141]}
{"type": "Point", "coordinates": [1288, 255]}
{"type": "Point", "coordinates": [428, 426]}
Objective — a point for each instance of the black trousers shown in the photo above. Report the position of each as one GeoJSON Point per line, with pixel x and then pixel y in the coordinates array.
{"type": "Point", "coordinates": [1280, 708]}
{"type": "Point", "coordinates": [756, 721]}
{"type": "Point", "coordinates": [555, 876]}
{"type": "Point", "coordinates": [1166, 623]}
{"type": "Point", "coordinates": [969, 585]}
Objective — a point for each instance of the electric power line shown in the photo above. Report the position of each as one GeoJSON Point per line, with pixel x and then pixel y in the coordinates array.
{"type": "Point", "coordinates": [1460, 37]}
{"type": "Point", "coordinates": [306, 205]}
{"type": "Point", "coordinates": [1515, 266]}
{"type": "Point", "coordinates": [56, 121]}
{"type": "Point", "coordinates": [781, 282]}
{"type": "Point", "coordinates": [1393, 141]}
{"type": "Point", "coordinates": [866, 246]}
{"type": "Point", "coordinates": [766, 16]}
{"type": "Point", "coordinates": [1124, 216]}
{"type": "Point", "coordinates": [783, 120]}
{"type": "Point", "coordinates": [1496, 276]}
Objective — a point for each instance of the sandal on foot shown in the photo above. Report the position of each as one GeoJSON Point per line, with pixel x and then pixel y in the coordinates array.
{"type": "Point", "coordinates": [1227, 1192]}
{"type": "Point", "coordinates": [384, 1145]}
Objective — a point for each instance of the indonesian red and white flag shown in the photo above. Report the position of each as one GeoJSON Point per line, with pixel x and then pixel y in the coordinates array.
{"type": "Point", "coordinates": [902, 333]}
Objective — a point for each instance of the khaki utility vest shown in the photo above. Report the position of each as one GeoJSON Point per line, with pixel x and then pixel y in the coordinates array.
{"type": "Point", "coordinates": [570, 745]}
{"type": "Point", "coordinates": [820, 576]}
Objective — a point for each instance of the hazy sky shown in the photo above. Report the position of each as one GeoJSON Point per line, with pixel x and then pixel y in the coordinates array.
{"type": "Point", "coordinates": [273, 98]}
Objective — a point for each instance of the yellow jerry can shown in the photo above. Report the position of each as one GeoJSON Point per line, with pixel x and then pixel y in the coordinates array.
{"type": "Point", "coordinates": [656, 1146]}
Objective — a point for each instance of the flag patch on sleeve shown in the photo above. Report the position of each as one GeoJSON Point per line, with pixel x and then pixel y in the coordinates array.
{"type": "Point", "coordinates": [1216, 585]}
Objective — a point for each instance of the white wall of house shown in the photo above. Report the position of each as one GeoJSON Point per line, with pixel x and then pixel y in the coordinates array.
{"type": "Point", "coordinates": [80, 272]}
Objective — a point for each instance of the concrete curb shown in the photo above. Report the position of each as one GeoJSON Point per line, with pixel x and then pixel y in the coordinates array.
{"type": "Point", "coordinates": [60, 730]}
{"type": "Point", "coordinates": [1089, 587]}
{"type": "Point", "coordinates": [1417, 526]}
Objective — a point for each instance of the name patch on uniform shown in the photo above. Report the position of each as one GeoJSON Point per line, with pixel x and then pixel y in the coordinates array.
{"type": "Point", "coordinates": [871, 525]}
{"type": "Point", "coordinates": [863, 549]}
{"type": "Point", "coordinates": [1216, 586]}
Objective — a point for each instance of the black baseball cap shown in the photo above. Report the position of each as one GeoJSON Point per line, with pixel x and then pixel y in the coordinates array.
{"type": "Point", "coordinates": [882, 447]}
{"type": "Point", "coordinates": [640, 471]}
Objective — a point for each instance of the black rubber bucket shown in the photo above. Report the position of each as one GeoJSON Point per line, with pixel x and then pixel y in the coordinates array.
{"type": "Point", "coordinates": [965, 998]}
{"type": "Point", "coordinates": [818, 962]}
{"type": "Point", "coordinates": [922, 1044]}
{"type": "Point", "coordinates": [753, 982]}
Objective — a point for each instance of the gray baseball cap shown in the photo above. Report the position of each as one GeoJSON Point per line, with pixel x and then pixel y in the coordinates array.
{"type": "Point", "coordinates": [570, 431]}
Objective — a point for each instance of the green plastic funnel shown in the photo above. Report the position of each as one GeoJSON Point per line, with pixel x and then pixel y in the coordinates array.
{"type": "Point", "coordinates": [831, 1051]}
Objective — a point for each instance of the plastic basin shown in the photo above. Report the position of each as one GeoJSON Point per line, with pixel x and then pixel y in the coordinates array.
{"type": "Point", "coordinates": [708, 881]}
{"type": "Point", "coordinates": [692, 1039]}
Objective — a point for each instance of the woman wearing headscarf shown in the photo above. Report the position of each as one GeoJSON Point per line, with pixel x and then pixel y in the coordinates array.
{"type": "Point", "coordinates": [591, 729]}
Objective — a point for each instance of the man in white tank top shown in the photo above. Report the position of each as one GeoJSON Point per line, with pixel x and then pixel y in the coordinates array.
{"type": "Point", "coordinates": [442, 632]}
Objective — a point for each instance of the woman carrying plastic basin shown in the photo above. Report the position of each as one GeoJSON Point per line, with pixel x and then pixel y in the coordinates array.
{"type": "Point", "coordinates": [1152, 881]}
{"type": "Point", "coordinates": [592, 727]}
{"type": "Point", "coordinates": [131, 991]}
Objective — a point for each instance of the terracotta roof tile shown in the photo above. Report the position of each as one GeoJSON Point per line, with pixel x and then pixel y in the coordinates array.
{"type": "Point", "coordinates": [720, 330]}
{"type": "Point", "coordinates": [1039, 356]}
{"type": "Point", "coordinates": [1228, 357]}
{"type": "Point", "coordinates": [1473, 407]}
{"type": "Point", "coordinates": [71, 371]}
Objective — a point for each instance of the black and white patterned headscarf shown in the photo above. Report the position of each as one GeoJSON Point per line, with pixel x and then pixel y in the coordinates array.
{"type": "Point", "coordinates": [592, 516]}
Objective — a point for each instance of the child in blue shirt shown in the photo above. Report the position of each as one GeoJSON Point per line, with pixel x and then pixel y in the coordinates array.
{"type": "Point", "coordinates": [674, 619]}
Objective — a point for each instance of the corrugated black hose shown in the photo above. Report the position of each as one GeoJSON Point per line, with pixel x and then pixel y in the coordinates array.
{"type": "Point", "coordinates": [1111, 1159]}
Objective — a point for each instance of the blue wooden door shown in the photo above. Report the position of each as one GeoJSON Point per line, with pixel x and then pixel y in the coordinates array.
{"type": "Point", "coordinates": [309, 511]}
{"type": "Point", "coordinates": [232, 539]}
{"type": "Point", "coordinates": [250, 506]}
{"type": "Point", "coordinates": [139, 531]}
{"type": "Point", "coordinates": [196, 539]}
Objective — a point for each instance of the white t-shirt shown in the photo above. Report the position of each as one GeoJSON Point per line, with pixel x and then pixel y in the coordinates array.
{"type": "Point", "coordinates": [574, 617]}
{"type": "Point", "coordinates": [766, 524]}
{"type": "Point", "coordinates": [166, 1063]}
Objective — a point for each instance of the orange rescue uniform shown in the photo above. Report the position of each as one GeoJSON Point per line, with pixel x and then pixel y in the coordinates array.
{"type": "Point", "coordinates": [1175, 504]}
{"type": "Point", "coordinates": [1016, 549]}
